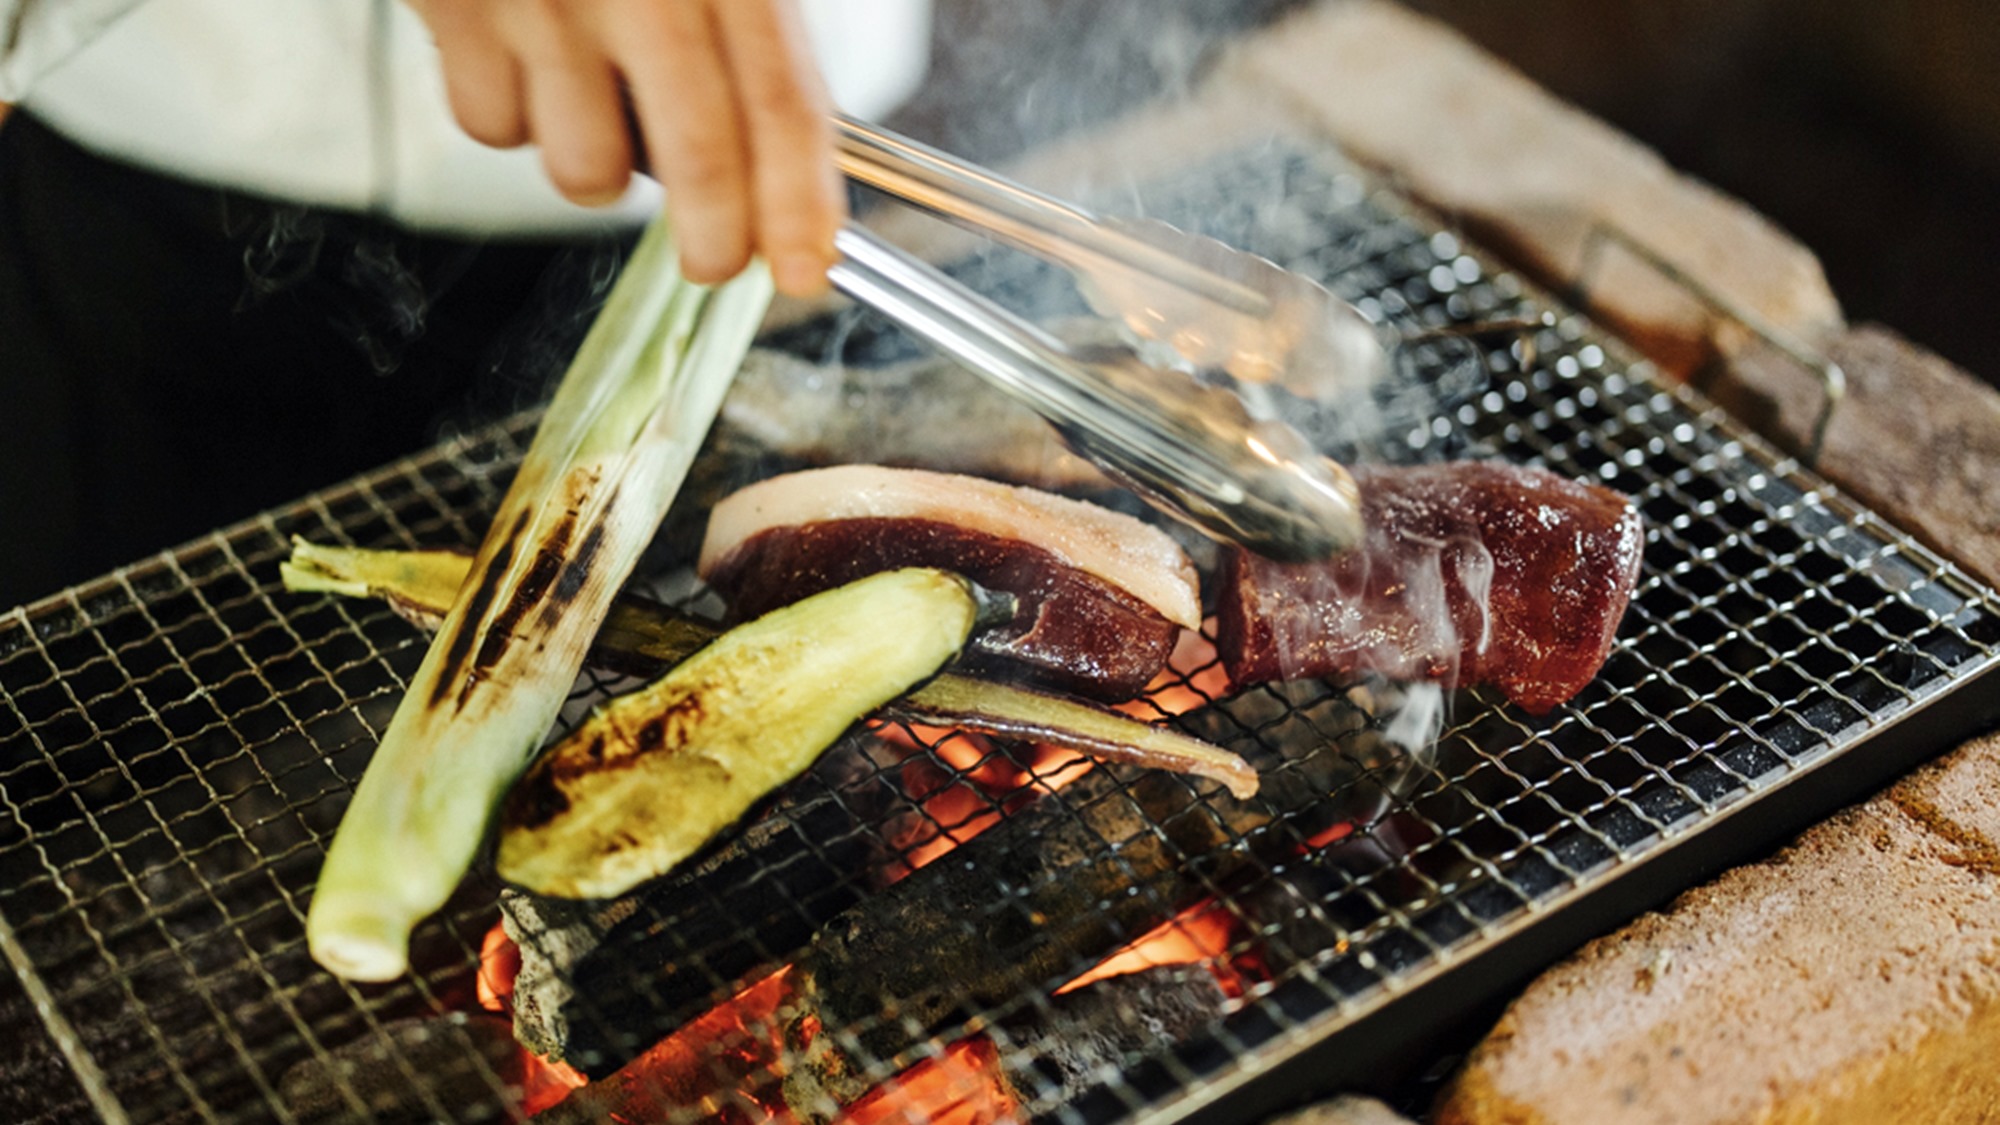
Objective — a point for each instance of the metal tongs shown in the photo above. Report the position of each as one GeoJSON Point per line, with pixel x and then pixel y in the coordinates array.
{"type": "Point", "coordinates": [1197, 436]}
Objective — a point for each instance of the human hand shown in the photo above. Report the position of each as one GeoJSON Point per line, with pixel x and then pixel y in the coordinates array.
{"type": "Point", "coordinates": [719, 99]}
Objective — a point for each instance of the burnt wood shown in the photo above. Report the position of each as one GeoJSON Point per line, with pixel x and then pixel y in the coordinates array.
{"type": "Point", "coordinates": [1030, 904]}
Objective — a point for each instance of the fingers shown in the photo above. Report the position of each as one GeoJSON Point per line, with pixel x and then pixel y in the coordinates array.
{"type": "Point", "coordinates": [574, 107]}
{"type": "Point", "coordinates": [727, 102]}
{"type": "Point", "coordinates": [481, 76]}
{"type": "Point", "coordinates": [683, 94]}
{"type": "Point", "coordinates": [795, 191]}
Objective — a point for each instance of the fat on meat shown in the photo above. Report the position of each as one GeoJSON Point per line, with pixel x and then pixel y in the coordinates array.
{"type": "Point", "coordinates": [1102, 597]}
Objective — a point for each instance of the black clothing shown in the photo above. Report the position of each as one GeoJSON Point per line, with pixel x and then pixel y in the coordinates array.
{"type": "Point", "coordinates": [175, 357]}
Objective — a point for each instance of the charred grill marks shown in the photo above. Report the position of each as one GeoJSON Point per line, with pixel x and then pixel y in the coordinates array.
{"type": "Point", "coordinates": [577, 571]}
{"type": "Point", "coordinates": [460, 650]}
{"type": "Point", "coordinates": [541, 576]}
{"type": "Point", "coordinates": [552, 582]}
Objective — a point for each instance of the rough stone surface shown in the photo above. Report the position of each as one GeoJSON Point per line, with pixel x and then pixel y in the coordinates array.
{"type": "Point", "coordinates": [1854, 977]}
{"type": "Point", "coordinates": [1536, 179]}
{"type": "Point", "coordinates": [1916, 438]}
{"type": "Point", "coordinates": [1347, 1109]}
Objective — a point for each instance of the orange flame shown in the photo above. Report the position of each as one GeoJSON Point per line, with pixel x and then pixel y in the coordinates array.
{"type": "Point", "coordinates": [1330, 835]}
{"type": "Point", "coordinates": [727, 1064]}
{"type": "Point", "coordinates": [1202, 934]}
{"type": "Point", "coordinates": [499, 964]}
{"type": "Point", "coordinates": [962, 1086]}
{"type": "Point", "coordinates": [1193, 678]}
{"type": "Point", "coordinates": [968, 787]}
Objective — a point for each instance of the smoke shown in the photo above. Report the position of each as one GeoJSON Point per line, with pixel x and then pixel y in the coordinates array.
{"type": "Point", "coordinates": [1415, 717]}
{"type": "Point", "coordinates": [281, 249]}
{"type": "Point", "coordinates": [377, 300]}
{"type": "Point", "coordinates": [1384, 617]}
{"type": "Point", "coordinates": [378, 290]}
{"type": "Point", "coordinates": [527, 362]}
{"type": "Point", "coordinates": [391, 303]}
{"type": "Point", "coordinates": [1011, 76]}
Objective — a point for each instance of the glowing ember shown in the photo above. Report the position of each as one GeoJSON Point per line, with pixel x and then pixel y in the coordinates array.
{"type": "Point", "coordinates": [726, 1064]}
{"type": "Point", "coordinates": [729, 1063]}
{"type": "Point", "coordinates": [1200, 935]}
{"type": "Point", "coordinates": [499, 964]}
{"type": "Point", "coordinates": [1193, 678]}
{"type": "Point", "coordinates": [962, 1086]}
{"type": "Point", "coordinates": [968, 787]}
{"type": "Point", "coordinates": [1333, 834]}
{"type": "Point", "coordinates": [965, 785]}
{"type": "Point", "coordinates": [544, 1082]}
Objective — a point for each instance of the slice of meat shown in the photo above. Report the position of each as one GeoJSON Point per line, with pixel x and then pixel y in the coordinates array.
{"type": "Point", "coordinates": [1471, 573]}
{"type": "Point", "coordinates": [1102, 595]}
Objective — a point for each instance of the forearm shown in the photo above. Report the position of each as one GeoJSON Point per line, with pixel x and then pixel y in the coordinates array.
{"type": "Point", "coordinates": [36, 36]}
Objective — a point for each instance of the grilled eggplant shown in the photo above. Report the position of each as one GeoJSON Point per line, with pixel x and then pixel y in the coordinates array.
{"type": "Point", "coordinates": [653, 774]}
{"type": "Point", "coordinates": [643, 638]}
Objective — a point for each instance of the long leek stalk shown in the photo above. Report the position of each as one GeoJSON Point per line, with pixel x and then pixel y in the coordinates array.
{"type": "Point", "coordinates": [606, 460]}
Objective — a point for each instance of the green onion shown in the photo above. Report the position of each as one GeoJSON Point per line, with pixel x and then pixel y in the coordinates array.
{"type": "Point", "coordinates": [607, 459]}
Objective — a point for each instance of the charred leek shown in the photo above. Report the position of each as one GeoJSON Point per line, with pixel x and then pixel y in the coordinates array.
{"type": "Point", "coordinates": [606, 460]}
{"type": "Point", "coordinates": [655, 773]}
{"type": "Point", "coordinates": [644, 638]}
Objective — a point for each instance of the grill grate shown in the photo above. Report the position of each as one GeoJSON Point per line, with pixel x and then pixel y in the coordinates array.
{"type": "Point", "coordinates": [178, 739]}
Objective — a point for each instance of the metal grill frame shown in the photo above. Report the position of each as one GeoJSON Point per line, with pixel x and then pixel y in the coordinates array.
{"type": "Point", "coordinates": [299, 695]}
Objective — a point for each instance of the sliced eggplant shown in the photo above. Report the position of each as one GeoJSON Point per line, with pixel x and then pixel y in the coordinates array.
{"type": "Point", "coordinates": [643, 638]}
{"type": "Point", "coordinates": [652, 775]}
{"type": "Point", "coordinates": [1034, 716]}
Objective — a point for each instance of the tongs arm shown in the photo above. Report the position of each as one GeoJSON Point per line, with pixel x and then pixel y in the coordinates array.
{"type": "Point", "coordinates": [1189, 447]}
{"type": "Point", "coordinates": [1253, 483]}
{"type": "Point", "coordinates": [1050, 228]}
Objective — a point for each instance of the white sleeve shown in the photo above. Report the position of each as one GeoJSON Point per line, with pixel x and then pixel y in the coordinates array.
{"type": "Point", "coordinates": [37, 35]}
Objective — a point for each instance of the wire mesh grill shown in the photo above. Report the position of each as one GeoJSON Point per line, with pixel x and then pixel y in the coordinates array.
{"type": "Point", "coordinates": [180, 738]}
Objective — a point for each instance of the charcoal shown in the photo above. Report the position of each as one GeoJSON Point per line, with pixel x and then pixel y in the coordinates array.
{"type": "Point", "coordinates": [555, 937]}
{"type": "Point", "coordinates": [1031, 903]}
{"type": "Point", "coordinates": [1013, 913]}
{"type": "Point", "coordinates": [1098, 1032]}
{"type": "Point", "coordinates": [1046, 1056]}
{"type": "Point", "coordinates": [602, 981]}
{"type": "Point", "coordinates": [408, 1071]}
{"type": "Point", "coordinates": [1008, 916]}
{"type": "Point", "coordinates": [719, 1069]}
{"type": "Point", "coordinates": [36, 1084]}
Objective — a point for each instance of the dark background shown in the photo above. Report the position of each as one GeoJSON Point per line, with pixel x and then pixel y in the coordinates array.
{"type": "Point", "coordinates": [1869, 130]}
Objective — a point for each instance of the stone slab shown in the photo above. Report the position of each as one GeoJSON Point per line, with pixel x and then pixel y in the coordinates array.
{"type": "Point", "coordinates": [1853, 977]}
{"type": "Point", "coordinates": [1916, 438]}
{"type": "Point", "coordinates": [1562, 195]}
